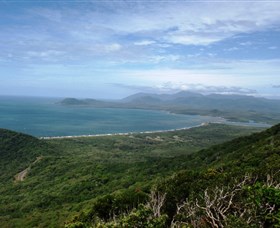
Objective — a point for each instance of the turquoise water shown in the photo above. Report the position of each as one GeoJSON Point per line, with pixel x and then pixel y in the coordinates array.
{"type": "Point", "coordinates": [44, 117]}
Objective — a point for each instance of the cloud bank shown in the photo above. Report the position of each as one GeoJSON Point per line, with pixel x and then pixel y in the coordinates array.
{"type": "Point", "coordinates": [225, 44]}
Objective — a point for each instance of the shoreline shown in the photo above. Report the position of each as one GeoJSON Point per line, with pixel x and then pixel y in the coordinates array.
{"type": "Point", "coordinates": [126, 133]}
{"type": "Point", "coordinates": [261, 125]}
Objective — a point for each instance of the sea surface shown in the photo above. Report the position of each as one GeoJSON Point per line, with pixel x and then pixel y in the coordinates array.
{"type": "Point", "coordinates": [45, 117]}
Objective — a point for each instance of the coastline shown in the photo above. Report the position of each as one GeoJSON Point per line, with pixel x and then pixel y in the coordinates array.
{"type": "Point", "coordinates": [257, 125]}
{"type": "Point", "coordinates": [126, 133]}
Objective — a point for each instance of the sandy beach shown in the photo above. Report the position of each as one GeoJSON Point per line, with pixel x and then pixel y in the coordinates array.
{"type": "Point", "coordinates": [125, 133]}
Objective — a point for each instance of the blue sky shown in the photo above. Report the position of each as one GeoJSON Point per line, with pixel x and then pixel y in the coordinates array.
{"type": "Point", "coordinates": [111, 49]}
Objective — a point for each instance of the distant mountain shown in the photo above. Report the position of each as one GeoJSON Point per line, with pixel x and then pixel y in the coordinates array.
{"type": "Point", "coordinates": [206, 101]}
{"type": "Point", "coordinates": [161, 97]}
{"type": "Point", "coordinates": [143, 99]}
{"type": "Point", "coordinates": [187, 99]}
{"type": "Point", "coordinates": [74, 101]}
{"type": "Point", "coordinates": [136, 96]}
{"type": "Point", "coordinates": [185, 94]}
{"type": "Point", "coordinates": [233, 107]}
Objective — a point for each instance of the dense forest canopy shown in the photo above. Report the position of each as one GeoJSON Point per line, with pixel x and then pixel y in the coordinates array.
{"type": "Point", "coordinates": [116, 180]}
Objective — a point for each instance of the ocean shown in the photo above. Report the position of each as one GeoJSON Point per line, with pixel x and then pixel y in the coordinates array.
{"type": "Point", "coordinates": [45, 117]}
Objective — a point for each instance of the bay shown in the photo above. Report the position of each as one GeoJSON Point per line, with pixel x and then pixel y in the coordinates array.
{"type": "Point", "coordinates": [44, 117]}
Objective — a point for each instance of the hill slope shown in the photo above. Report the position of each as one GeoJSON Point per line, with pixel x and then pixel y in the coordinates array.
{"type": "Point", "coordinates": [74, 173]}
{"type": "Point", "coordinates": [18, 151]}
{"type": "Point", "coordinates": [234, 184]}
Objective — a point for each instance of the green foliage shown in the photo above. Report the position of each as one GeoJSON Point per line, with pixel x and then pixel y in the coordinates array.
{"type": "Point", "coordinates": [142, 217]}
{"type": "Point", "coordinates": [98, 177]}
{"type": "Point", "coordinates": [266, 200]}
{"type": "Point", "coordinates": [17, 151]}
{"type": "Point", "coordinates": [215, 175]}
{"type": "Point", "coordinates": [241, 204]}
{"type": "Point", "coordinates": [105, 207]}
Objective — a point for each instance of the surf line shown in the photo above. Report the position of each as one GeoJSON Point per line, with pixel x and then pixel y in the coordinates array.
{"type": "Point", "coordinates": [123, 134]}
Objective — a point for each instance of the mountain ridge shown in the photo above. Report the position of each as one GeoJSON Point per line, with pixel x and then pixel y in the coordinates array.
{"type": "Point", "coordinates": [231, 107]}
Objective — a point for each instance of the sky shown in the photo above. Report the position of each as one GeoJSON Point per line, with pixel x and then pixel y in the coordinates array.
{"type": "Point", "coordinates": [111, 49]}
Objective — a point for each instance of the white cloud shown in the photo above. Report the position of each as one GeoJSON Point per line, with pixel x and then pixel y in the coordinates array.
{"type": "Point", "coordinates": [104, 30]}
{"type": "Point", "coordinates": [227, 73]}
{"type": "Point", "coordinates": [186, 39]}
{"type": "Point", "coordinates": [163, 58]}
{"type": "Point", "coordinates": [204, 89]}
{"type": "Point", "coordinates": [135, 42]}
{"type": "Point", "coordinates": [187, 23]}
{"type": "Point", "coordinates": [171, 87]}
{"type": "Point", "coordinates": [198, 22]}
{"type": "Point", "coordinates": [248, 43]}
{"type": "Point", "coordinates": [44, 54]}
{"type": "Point", "coordinates": [112, 47]}
{"type": "Point", "coordinates": [231, 49]}
{"type": "Point", "coordinates": [144, 42]}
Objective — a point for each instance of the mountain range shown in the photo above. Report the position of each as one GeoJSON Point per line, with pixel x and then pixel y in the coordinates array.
{"type": "Point", "coordinates": [232, 107]}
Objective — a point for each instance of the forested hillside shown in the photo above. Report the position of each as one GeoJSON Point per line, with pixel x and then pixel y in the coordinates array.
{"type": "Point", "coordinates": [234, 184]}
{"type": "Point", "coordinates": [63, 177]}
{"type": "Point", "coordinates": [17, 151]}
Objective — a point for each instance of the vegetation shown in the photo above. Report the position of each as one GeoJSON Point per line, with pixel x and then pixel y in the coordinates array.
{"type": "Point", "coordinates": [234, 184]}
{"type": "Point", "coordinates": [17, 151]}
{"type": "Point", "coordinates": [101, 176]}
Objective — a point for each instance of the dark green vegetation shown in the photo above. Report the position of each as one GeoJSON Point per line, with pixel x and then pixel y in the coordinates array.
{"type": "Point", "coordinates": [231, 107]}
{"type": "Point", "coordinates": [112, 173]}
{"type": "Point", "coordinates": [234, 184]}
{"type": "Point", "coordinates": [17, 151]}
